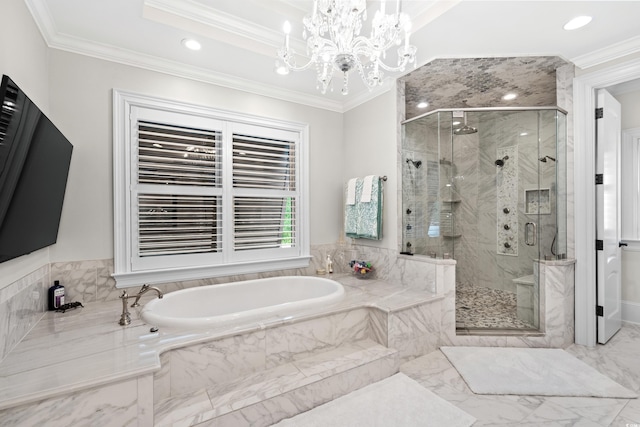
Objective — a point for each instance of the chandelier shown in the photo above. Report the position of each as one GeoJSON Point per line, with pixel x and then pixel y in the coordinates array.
{"type": "Point", "coordinates": [334, 43]}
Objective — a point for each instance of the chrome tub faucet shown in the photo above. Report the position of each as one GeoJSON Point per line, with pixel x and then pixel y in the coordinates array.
{"type": "Point", "coordinates": [125, 318]}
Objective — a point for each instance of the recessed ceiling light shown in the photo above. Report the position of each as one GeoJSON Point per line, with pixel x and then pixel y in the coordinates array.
{"type": "Point", "coordinates": [577, 22]}
{"type": "Point", "coordinates": [455, 123]}
{"type": "Point", "coordinates": [191, 44]}
{"type": "Point", "coordinates": [524, 133]}
{"type": "Point", "coordinates": [423, 104]}
{"type": "Point", "coordinates": [510, 97]}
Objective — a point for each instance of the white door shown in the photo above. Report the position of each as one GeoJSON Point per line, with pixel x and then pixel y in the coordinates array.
{"type": "Point", "coordinates": [608, 140]}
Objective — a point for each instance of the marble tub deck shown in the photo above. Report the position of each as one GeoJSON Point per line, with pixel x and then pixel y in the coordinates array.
{"type": "Point", "coordinates": [85, 348]}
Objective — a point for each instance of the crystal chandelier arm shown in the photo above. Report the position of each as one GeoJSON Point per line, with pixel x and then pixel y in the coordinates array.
{"type": "Point", "coordinates": [364, 47]}
{"type": "Point", "coordinates": [334, 43]}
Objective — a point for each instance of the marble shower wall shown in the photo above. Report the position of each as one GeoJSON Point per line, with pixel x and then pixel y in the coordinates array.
{"type": "Point", "coordinates": [481, 82]}
{"type": "Point", "coordinates": [480, 215]}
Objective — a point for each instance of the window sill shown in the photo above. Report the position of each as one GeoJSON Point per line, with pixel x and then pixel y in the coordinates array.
{"type": "Point", "coordinates": [138, 278]}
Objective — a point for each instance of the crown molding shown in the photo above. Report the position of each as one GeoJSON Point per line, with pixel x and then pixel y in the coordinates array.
{"type": "Point", "coordinates": [609, 53]}
{"type": "Point", "coordinates": [152, 63]}
{"type": "Point", "coordinates": [56, 40]}
{"type": "Point", "coordinates": [214, 18]}
{"type": "Point", "coordinates": [65, 42]}
{"type": "Point", "coordinates": [42, 16]}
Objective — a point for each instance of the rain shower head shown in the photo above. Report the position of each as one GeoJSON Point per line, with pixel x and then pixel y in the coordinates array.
{"type": "Point", "coordinates": [544, 159]}
{"type": "Point", "coordinates": [466, 129]}
{"type": "Point", "coordinates": [415, 163]}
{"type": "Point", "coordinates": [500, 162]}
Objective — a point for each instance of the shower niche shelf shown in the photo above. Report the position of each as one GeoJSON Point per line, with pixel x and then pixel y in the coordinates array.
{"type": "Point", "coordinates": [451, 236]}
{"type": "Point", "coordinates": [537, 201]}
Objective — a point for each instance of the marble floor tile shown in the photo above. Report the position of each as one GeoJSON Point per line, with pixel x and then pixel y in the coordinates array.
{"type": "Point", "coordinates": [618, 359]}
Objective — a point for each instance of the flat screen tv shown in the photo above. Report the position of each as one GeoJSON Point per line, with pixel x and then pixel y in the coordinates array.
{"type": "Point", "coordinates": [34, 165]}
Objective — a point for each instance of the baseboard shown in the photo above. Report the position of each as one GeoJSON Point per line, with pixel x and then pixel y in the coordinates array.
{"type": "Point", "coordinates": [631, 312]}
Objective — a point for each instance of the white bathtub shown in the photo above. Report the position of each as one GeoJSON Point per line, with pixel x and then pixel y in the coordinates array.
{"type": "Point", "coordinates": [248, 300]}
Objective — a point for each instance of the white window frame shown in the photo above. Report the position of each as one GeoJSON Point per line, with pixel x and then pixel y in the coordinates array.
{"type": "Point", "coordinates": [129, 274]}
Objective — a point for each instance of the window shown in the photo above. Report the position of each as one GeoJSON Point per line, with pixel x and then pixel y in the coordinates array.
{"type": "Point", "coordinates": [203, 193]}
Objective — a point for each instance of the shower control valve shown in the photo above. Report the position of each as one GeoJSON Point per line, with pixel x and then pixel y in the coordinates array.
{"type": "Point", "coordinates": [506, 210]}
{"type": "Point", "coordinates": [408, 211]}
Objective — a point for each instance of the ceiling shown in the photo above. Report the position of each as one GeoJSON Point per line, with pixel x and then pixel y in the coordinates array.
{"type": "Point", "coordinates": [240, 37]}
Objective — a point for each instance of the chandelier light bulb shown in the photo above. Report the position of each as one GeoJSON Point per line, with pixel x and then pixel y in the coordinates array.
{"type": "Point", "coordinates": [334, 42]}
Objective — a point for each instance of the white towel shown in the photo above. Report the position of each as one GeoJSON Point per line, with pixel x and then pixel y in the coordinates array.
{"type": "Point", "coordinates": [351, 191]}
{"type": "Point", "coordinates": [367, 187]}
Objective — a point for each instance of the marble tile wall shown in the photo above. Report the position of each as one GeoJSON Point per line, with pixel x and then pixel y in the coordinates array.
{"type": "Point", "coordinates": [556, 308]}
{"type": "Point", "coordinates": [126, 403]}
{"type": "Point", "coordinates": [23, 302]}
{"type": "Point", "coordinates": [507, 201]}
{"type": "Point", "coordinates": [564, 93]}
{"type": "Point", "coordinates": [481, 82]}
{"type": "Point", "coordinates": [22, 305]}
{"type": "Point", "coordinates": [195, 367]}
{"type": "Point", "coordinates": [415, 331]}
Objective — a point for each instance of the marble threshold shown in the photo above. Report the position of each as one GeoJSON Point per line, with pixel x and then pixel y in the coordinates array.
{"type": "Point", "coordinates": [86, 347]}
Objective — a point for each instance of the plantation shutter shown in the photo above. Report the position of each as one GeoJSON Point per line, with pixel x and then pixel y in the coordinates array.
{"type": "Point", "coordinates": [203, 193]}
{"type": "Point", "coordinates": [177, 168]}
{"type": "Point", "coordinates": [265, 202]}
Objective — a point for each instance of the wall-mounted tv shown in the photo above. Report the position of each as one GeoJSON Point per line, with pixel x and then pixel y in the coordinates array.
{"type": "Point", "coordinates": [34, 165]}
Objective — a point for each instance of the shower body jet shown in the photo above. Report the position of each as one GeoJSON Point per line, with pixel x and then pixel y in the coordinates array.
{"type": "Point", "coordinates": [500, 162]}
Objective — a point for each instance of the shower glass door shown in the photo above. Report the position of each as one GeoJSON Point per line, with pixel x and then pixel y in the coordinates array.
{"type": "Point", "coordinates": [487, 188]}
{"type": "Point", "coordinates": [499, 220]}
{"type": "Point", "coordinates": [427, 226]}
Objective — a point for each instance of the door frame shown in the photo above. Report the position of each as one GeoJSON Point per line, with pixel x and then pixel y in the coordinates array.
{"type": "Point", "coordinates": [584, 103]}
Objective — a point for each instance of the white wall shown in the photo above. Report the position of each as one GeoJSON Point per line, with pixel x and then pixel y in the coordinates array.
{"type": "Point", "coordinates": [75, 91]}
{"type": "Point", "coordinates": [370, 148]}
{"type": "Point", "coordinates": [23, 57]}
{"type": "Point", "coordinates": [81, 106]}
{"type": "Point", "coordinates": [630, 103]}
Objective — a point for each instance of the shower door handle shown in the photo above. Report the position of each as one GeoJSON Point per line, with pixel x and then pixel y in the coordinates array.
{"type": "Point", "coordinates": [530, 226]}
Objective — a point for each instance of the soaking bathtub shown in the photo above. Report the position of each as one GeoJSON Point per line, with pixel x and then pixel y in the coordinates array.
{"type": "Point", "coordinates": [247, 300]}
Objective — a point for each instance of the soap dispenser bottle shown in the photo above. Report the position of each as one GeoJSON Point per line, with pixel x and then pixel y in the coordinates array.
{"type": "Point", "coordinates": [329, 264]}
{"type": "Point", "coordinates": [56, 296]}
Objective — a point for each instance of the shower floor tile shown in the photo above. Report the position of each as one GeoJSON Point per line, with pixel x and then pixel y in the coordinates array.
{"type": "Point", "coordinates": [479, 307]}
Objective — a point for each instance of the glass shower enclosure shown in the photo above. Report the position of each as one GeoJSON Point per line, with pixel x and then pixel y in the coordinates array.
{"type": "Point", "coordinates": [487, 187]}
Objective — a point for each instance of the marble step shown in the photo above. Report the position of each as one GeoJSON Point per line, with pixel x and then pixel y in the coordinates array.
{"type": "Point", "coordinates": [264, 398]}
